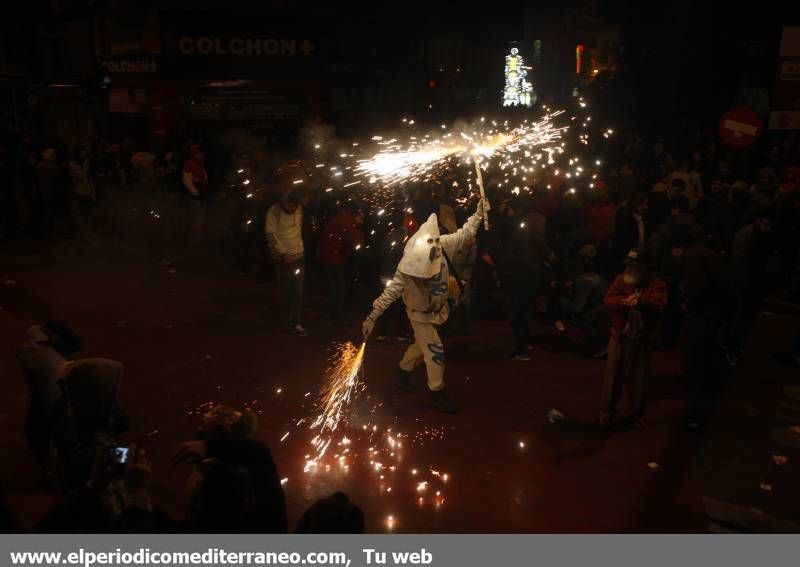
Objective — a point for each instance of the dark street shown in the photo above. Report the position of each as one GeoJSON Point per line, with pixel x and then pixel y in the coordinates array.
{"type": "Point", "coordinates": [191, 339]}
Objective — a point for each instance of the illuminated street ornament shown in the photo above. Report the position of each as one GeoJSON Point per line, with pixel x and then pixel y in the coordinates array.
{"type": "Point", "coordinates": [518, 91]}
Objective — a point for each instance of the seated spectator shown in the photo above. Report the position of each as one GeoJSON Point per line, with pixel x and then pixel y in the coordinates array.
{"type": "Point", "coordinates": [332, 515]}
{"type": "Point", "coordinates": [225, 422]}
{"type": "Point", "coordinates": [234, 487]}
{"type": "Point", "coordinates": [87, 418]}
{"type": "Point", "coordinates": [114, 500]}
{"type": "Point", "coordinates": [41, 356]}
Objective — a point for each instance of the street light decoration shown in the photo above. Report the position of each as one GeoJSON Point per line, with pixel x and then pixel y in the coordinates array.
{"type": "Point", "coordinates": [518, 91]}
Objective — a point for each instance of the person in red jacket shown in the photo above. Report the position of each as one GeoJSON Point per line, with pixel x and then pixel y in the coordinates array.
{"type": "Point", "coordinates": [635, 300]}
{"type": "Point", "coordinates": [599, 215]}
{"type": "Point", "coordinates": [342, 236]}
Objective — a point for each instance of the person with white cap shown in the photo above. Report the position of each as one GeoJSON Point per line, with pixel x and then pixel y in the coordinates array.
{"type": "Point", "coordinates": [423, 280]}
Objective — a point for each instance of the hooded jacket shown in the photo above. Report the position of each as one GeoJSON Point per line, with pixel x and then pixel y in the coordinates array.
{"type": "Point", "coordinates": [90, 417]}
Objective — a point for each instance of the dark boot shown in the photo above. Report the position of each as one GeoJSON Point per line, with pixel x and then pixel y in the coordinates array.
{"type": "Point", "coordinates": [402, 379]}
{"type": "Point", "coordinates": [443, 403]}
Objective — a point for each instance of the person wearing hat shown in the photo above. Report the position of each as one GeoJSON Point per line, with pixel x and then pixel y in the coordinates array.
{"type": "Point", "coordinates": [635, 300]}
{"type": "Point", "coordinates": [41, 359]}
{"type": "Point", "coordinates": [423, 281]}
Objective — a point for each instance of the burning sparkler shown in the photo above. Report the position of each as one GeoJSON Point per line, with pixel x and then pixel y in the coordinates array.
{"type": "Point", "coordinates": [398, 163]}
{"type": "Point", "coordinates": [339, 389]}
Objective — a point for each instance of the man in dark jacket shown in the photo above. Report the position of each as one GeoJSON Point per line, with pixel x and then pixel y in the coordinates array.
{"type": "Point", "coordinates": [750, 251]}
{"type": "Point", "coordinates": [670, 266]}
{"type": "Point", "coordinates": [580, 291]}
{"type": "Point", "coordinates": [236, 487]}
{"type": "Point", "coordinates": [715, 214]}
{"type": "Point", "coordinates": [530, 257]}
{"type": "Point", "coordinates": [635, 300]}
{"type": "Point", "coordinates": [705, 299]}
{"type": "Point", "coordinates": [629, 229]}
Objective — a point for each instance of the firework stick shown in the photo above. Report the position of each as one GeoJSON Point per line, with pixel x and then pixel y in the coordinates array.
{"type": "Point", "coordinates": [483, 195]}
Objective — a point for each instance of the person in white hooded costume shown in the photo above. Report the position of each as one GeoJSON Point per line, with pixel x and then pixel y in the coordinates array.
{"type": "Point", "coordinates": [422, 280]}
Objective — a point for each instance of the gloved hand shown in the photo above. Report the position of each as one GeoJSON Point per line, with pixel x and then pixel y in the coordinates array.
{"type": "Point", "coordinates": [366, 328]}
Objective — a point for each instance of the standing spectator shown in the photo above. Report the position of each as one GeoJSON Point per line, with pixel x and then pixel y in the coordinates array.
{"type": "Point", "coordinates": [83, 188]}
{"type": "Point", "coordinates": [27, 157]}
{"type": "Point", "coordinates": [109, 186]}
{"type": "Point", "coordinates": [750, 251]}
{"type": "Point", "coordinates": [628, 183]}
{"type": "Point", "coordinates": [195, 181]}
{"type": "Point", "coordinates": [629, 229]}
{"type": "Point", "coordinates": [283, 228]}
{"type": "Point", "coordinates": [463, 261]}
{"type": "Point", "coordinates": [581, 295]}
{"type": "Point", "coordinates": [49, 180]}
{"type": "Point", "coordinates": [787, 229]}
{"type": "Point", "coordinates": [8, 194]}
{"type": "Point", "coordinates": [635, 300]}
{"type": "Point", "coordinates": [143, 185]}
{"type": "Point", "coordinates": [705, 300]}
{"type": "Point", "coordinates": [599, 215]}
{"type": "Point", "coordinates": [658, 205]}
{"type": "Point", "coordinates": [715, 214]}
{"type": "Point", "coordinates": [340, 239]}
{"type": "Point", "coordinates": [176, 211]}
{"type": "Point", "coordinates": [680, 222]}
{"type": "Point", "coordinates": [529, 258]}
{"type": "Point", "coordinates": [164, 206]}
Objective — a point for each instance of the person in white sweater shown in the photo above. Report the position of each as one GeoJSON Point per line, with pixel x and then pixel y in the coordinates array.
{"type": "Point", "coordinates": [283, 228]}
{"type": "Point", "coordinates": [422, 279]}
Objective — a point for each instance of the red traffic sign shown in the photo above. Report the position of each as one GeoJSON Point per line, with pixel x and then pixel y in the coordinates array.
{"type": "Point", "coordinates": [740, 127]}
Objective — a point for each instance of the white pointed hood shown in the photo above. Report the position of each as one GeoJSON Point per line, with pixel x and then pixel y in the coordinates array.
{"type": "Point", "coordinates": [422, 259]}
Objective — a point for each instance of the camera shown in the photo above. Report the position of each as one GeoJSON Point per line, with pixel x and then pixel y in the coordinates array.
{"type": "Point", "coordinates": [118, 455]}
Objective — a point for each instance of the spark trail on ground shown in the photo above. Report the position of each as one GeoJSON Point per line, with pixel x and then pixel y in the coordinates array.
{"type": "Point", "coordinates": [339, 389]}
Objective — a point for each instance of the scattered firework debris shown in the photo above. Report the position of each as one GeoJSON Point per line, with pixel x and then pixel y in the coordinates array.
{"type": "Point", "coordinates": [339, 389]}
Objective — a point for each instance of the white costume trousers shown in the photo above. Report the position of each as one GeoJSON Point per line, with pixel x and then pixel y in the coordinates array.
{"type": "Point", "coordinates": [427, 346]}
